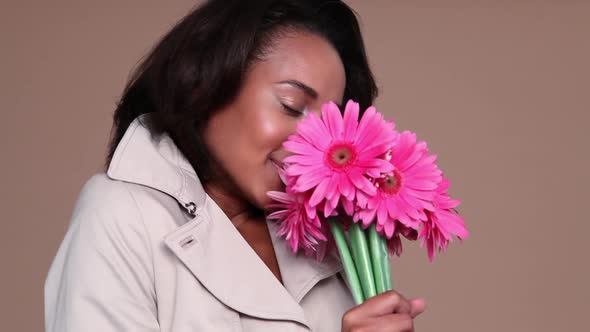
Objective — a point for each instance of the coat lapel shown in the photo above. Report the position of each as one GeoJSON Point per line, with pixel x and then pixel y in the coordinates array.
{"type": "Point", "coordinates": [217, 255]}
{"type": "Point", "coordinates": [299, 272]}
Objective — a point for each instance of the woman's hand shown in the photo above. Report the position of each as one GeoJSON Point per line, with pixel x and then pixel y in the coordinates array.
{"type": "Point", "coordinates": [389, 311]}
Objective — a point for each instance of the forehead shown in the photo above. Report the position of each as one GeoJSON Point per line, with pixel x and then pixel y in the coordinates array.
{"type": "Point", "coordinates": [307, 58]}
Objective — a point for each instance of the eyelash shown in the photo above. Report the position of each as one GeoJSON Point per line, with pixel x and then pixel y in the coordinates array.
{"type": "Point", "coordinates": [292, 111]}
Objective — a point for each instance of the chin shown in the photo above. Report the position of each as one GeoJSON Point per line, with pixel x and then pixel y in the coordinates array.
{"type": "Point", "coordinates": [262, 200]}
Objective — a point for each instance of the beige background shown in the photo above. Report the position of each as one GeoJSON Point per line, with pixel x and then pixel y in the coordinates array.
{"type": "Point", "coordinates": [500, 89]}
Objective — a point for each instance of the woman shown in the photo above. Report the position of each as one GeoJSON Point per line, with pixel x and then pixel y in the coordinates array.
{"type": "Point", "coordinates": [173, 237]}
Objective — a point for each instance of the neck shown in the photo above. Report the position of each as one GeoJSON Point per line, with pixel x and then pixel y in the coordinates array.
{"type": "Point", "coordinates": [235, 206]}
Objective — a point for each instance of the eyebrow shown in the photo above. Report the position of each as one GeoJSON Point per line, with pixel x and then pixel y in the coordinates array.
{"type": "Point", "coordinates": [306, 89]}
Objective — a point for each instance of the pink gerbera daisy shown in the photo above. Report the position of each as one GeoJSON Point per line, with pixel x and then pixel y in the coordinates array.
{"type": "Point", "coordinates": [404, 194]}
{"type": "Point", "coordinates": [333, 155]}
{"type": "Point", "coordinates": [300, 226]}
{"type": "Point", "coordinates": [442, 222]}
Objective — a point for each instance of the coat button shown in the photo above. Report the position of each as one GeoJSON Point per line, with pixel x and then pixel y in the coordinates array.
{"type": "Point", "coordinates": [187, 242]}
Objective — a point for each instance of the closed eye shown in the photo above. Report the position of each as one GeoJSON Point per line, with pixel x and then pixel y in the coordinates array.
{"type": "Point", "coordinates": [292, 112]}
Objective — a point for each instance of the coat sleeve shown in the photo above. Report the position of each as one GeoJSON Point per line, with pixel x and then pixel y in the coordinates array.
{"type": "Point", "coordinates": [102, 278]}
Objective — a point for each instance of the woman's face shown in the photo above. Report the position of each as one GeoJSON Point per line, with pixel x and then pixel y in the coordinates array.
{"type": "Point", "coordinates": [300, 73]}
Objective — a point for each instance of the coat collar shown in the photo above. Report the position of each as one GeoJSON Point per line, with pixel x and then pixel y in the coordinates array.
{"type": "Point", "coordinates": [155, 162]}
{"type": "Point", "coordinates": [208, 244]}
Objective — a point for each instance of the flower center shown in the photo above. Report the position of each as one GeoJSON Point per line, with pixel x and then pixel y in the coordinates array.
{"type": "Point", "coordinates": [391, 184]}
{"type": "Point", "coordinates": [341, 155]}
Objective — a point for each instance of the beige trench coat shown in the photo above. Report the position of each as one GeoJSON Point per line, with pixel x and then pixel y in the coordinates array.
{"type": "Point", "coordinates": [148, 250]}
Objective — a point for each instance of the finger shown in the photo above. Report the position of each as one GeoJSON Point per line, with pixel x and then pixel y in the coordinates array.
{"type": "Point", "coordinates": [393, 322]}
{"type": "Point", "coordinates": [385, 303]}
{"type": "Point", "coordinates": [417, 306]}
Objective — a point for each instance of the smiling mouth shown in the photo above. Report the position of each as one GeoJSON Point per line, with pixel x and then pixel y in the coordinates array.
{"type": "Point", "coordinates": [277, 164]}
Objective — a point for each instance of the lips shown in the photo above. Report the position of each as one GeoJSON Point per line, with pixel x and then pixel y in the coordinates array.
{"type": "Point", "coordinates": [277, 157]}
{"type": "Point", "coordinates": [277, 163]}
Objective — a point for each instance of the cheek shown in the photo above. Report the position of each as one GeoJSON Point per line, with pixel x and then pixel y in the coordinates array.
{"type": "Point", "coordinates": [272, 130]}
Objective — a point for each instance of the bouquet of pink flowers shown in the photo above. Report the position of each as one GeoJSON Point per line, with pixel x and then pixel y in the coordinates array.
{"type": "Point", "coordinates": [362, 185]}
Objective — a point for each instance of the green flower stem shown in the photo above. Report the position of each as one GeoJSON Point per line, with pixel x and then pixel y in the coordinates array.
{"type": "Point", "coordinates": [386, 266]}
{"type": "Point", "coordinates": [362, 259]}
{"type": "Point", "coordinates": [380, 260]}
{"type": "Point", "coordinates": [347, 262]}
